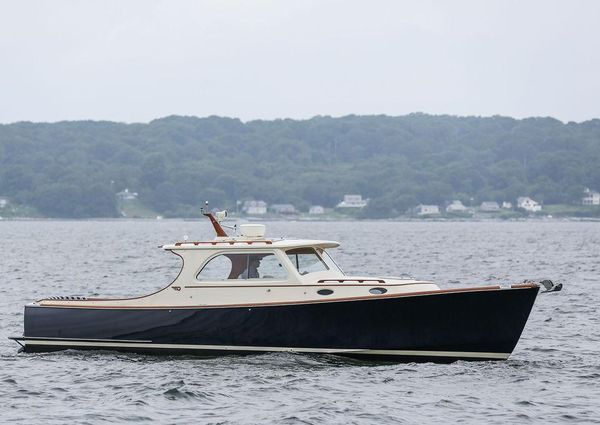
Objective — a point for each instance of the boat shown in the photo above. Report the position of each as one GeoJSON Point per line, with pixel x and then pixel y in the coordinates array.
{"type": "Point", "coordinates": [246, 293]}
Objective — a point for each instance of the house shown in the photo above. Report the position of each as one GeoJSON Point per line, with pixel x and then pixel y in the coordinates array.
{"type": "Point", "coordinates": [126, 195]}
{"type": "Point", "coordinates": [3, 202]}
{"type": "Point", "coordinates": [591, 197]}
{"type": "Point", "coordinates": [254, 207]}
{"type": "Point", "coordinates": [528, 204]}
{"type": "Point", "coordinates": [456, 206]}
{"type": "Point", "coordinates": [353, 201]}
{"type": "Point", "coordinates": [489, 206]}
{"type": "Point", "coordinates": [507, 205]}
{"type": "Point", "coordinates": [427, 209]}
{"type": "Point", "coordinates": [316, 209]}
{"type": "Point", "coordinates": [283, 209]}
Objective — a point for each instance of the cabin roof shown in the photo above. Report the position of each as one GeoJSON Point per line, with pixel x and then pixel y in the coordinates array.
{"type": "Point", "coordinates": [247, 243]}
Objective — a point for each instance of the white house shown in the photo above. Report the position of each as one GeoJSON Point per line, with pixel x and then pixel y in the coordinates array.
{"type": "Point", "coordinates": [126, 195]}
{"type": "Point", "coordinates": [507, 205]}
{"type": "Point", "coordinates": [3, 202]}
{"type": "Point", "coordinates": [528, 204]}
{"type": "Point", "coordinates": [353, 201]}
{"type": "Point", "coordinates": [489, 206]}
{"type": "Point", "coordinates": [456, 206]}
{"type": "Point", "coordinates": [283, 209]}
{"type": "Point", "coordinates": [427, 209]}
{"type": "Point", "coordinates": [316, 209]}
{"type": "Point", "coordinates": [591, 197]}
{"type": "Point", "coordinates": [255, 207]}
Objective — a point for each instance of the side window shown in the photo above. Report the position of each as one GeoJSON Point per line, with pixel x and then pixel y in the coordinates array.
{"type": "Point", "coordinates": [271, 268]}
{"type": "Point", "coordinates": [218, 268]}
{"type": "Point", "coordinates": [306, 260]}
{"type": "Point", "coordinates": [242, 266]}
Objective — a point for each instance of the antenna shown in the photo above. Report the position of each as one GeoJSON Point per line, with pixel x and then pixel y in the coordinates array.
{"type": "Point", "coordinates": [205, 206]}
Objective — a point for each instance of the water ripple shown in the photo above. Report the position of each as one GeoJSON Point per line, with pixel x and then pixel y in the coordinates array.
{"type": "Point", "coordinates": [552, 377]}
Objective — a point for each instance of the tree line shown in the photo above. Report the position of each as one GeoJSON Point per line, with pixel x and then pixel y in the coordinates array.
{"type": "Point", "coordinates": [74, 169]}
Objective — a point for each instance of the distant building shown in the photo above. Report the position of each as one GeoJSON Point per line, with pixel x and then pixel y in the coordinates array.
{"type": "Point", "coordinates": [427, 210]}
{"type": "Point", "coordinates": [126, 195]}
{"type": "Point", "coordinates": [507, 205]}
{"type": "Point", "coordinates": [254, 207]}
{"type": "Point", "coordinates": [528, 204]}
{"type": "Point", "coordinates": [489, 206]}
{"type": "Point", "coordinates": [353, 201]}
{"type": "Point", "coordinates": [591, 197]}
{"type": "Point", "coordinates": [456, 206]}
{"type": "Point", "coordinates": [283, 209]}
{"type": "Point", "coordinates": [3, 202]}
{"type": "Point", "coordinates": [316, 209]}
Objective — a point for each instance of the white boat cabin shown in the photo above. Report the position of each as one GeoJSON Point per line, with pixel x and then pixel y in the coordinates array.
{"type": "Point", "coordinates": [250, 269]}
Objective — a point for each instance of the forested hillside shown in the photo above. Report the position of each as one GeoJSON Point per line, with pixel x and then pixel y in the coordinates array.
{"type": "Point", "coordinates": [74, 169]}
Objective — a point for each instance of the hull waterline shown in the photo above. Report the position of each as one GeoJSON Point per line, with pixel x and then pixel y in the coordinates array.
{"type": "Point", "coordinates": [471, 325]}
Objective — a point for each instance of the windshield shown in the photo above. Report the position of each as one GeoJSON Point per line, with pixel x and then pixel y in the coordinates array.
{"type": "Point", "coordinates": [329, 261]}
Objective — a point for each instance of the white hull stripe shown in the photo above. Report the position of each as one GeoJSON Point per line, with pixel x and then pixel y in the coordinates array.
{"type": "Point", "coordinates": [120, 344]}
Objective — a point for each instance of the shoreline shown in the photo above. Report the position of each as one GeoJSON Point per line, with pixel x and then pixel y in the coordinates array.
{"type": "Point", "coordinates": [317, 220]}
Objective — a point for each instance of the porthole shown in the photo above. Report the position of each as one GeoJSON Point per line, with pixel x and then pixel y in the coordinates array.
{"type": "Point", "coordinates": [377, 291]}
{"type": "Point", "coordinates": [324, 292]}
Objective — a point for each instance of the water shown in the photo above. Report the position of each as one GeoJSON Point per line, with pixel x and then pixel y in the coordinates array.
{"type": "Point", "coordinates": [552, 376]}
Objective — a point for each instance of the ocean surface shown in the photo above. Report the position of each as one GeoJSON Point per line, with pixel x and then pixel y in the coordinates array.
{"type": "Point", "coordinates": [552, 376]}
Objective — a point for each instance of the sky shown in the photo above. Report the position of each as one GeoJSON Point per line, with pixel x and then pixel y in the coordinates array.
{"type": "Point", "coordinates": [134, 61]}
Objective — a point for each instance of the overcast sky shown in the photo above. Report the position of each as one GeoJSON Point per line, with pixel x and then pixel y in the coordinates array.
{"type": "Point", "coordinates": [139, 60]}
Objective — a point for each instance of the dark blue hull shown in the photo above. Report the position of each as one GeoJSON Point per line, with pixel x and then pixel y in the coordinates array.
{"type": "Point", "coordinates": [445, 326]}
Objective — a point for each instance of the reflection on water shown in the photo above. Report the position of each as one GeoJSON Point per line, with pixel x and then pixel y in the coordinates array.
{"type": "Point", "coordinates": [553, 374]}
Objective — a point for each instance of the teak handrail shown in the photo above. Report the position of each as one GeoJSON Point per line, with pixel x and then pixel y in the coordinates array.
{"type": "Point", "coordinates": [228, 242]}
{"type": "Point", "coordinates": [351, 280]}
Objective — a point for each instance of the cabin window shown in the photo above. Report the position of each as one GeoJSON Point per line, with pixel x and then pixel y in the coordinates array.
{"type": "Point", "coordinates": [216, 269]}
{"type": "Point", "coordinates": [306, 260]}
{"type": "Point", "coordinates": [242, 266]}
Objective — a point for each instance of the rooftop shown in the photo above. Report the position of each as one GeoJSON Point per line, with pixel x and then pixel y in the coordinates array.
{"type": "Point", "coordinates": [245, 243]}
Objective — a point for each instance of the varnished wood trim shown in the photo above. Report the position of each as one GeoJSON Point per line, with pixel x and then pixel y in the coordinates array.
{"type": "Point", "coordinates": [227, 242]}
{"type": "Point", "coordinates": [321, 285]}
{"type": "Point", "coordinates": [284, 303]}
{"type": "Point", "coordinates": [218, 229]}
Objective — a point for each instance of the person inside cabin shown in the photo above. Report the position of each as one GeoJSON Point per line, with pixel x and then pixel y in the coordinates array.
{"type": "Point", "coordinates": [251, 272]}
